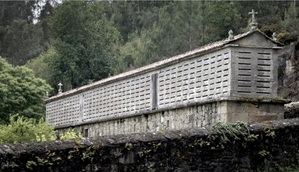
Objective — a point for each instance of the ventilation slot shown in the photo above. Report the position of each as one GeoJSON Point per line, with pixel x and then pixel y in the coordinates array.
{"type": "Point", "coordinates": [244, 64]}
{"type": "Point", "coordinates": [244, 52]}
{"type": "Point", "coordinates": [247, 92]}
{"type": "Point", "coordinates": [263, 59]}
{"type": "Point", "coordinates": [259, 92]}
{"type": "Point", "coordinates": [262, 86]}
{"type": "Point", "coordinates": [244, 69]}
{"type": "Point", "coordinates": [244, 86]}
{"type": "Point", "coordinates": [264, 70]}
{"type": "Point", "coordinates": [244, 80]}
{"type": "Point", "coordinates": [264, 64]}
{"type": "Point", "coordinates": [264, 53]}
{"type": "Point", "coordinates": [263, 76]}
{"type": "Point", "coordinates": [263, 82]}
{"type": "Point", "coordinates": [243, 74]}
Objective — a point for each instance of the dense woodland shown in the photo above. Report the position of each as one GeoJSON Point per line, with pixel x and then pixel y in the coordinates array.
{"type": "Point", "coordinates": [79, 42]}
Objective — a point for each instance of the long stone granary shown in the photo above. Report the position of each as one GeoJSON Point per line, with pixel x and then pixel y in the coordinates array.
{"type": "Point", "coordinates": [226, 81]}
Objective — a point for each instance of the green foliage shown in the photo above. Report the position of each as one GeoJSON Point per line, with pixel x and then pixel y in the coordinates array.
{"type": "Point", "coordinates": [43, 66]}
{"type": "Point", "coordinates": [227, 132]}
{"type": "Point", "coordinates": [166, 29]}
{"type": "Point", "coordinates": [90, 40]}
{"type": "Point", "coordinates": [22, 129]}
{"type": "Point", "coordinates": [20, 39]}
{"type": "Point", "coordinates": [178, 27]}
{"type": "Point", "coordinates": [290, 169]}
{"type": "Point", "coordinates": [20, 92]}
{"type": "Point", "coordinates": [132, 54]}
{"type": "Point", "coordinates": [71, 134]}
{"type": "Point", "coordinates": [290, 25]}
{"type": "Point", "coordinates": [17, 47]}
{"type": "Point", "coordinates": [263, 153]}
{"type": "Point", "coordinates": [85, 43]}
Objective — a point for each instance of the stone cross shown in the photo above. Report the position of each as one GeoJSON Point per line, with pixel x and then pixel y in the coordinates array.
{"type": "Point", "coordinates": [253, 24]}
{"type": "Point", "coordinates": [60, 88]}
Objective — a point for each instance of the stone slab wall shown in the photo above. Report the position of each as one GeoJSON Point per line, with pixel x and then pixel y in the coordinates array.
{"type": "Point", "coordinates": [200, 115]}
{"type": "Point", "coordinates": [270, 146]}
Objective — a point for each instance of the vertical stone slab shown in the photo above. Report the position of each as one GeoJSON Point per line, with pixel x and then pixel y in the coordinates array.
{"type": "Point", "coordinates": [154, 91]}
{"type": "Point", "coordinates": [81, 108]}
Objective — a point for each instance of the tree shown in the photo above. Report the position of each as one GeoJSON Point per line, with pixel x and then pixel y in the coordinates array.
{"type": "Point", "coordinates": [20, 38]}
{"type": "Point", "coordinates": [180, 26]}
{"type": "Point", "coordinates": [21, 42]}
{"type": "Point", "coordinates": [43, 66]}
{"type": "Point", "coordinates": [132, 16]}
{"type": "Point", "coordinates": [20, 92]}
{"type": "Point", "coordinates": [290, 25]}
{"type": "Point", "coordinates": [85, 42]}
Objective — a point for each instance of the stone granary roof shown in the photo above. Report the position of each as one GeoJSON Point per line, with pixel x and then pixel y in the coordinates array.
{"type": "Point", "coordinates": [189, 54]}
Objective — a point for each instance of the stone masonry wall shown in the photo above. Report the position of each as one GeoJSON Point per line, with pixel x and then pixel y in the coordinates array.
{"type": "Point", "coordinates": [270, 146]}
{"type": "Point", "coordinates": [199, 115]}
{"type": "Point", "coordinates": [172, 119]}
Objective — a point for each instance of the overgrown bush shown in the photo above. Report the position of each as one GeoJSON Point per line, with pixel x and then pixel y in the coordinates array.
{"type": "Point", "coordinates": [21, 129]}
{"type": "Point", "coordinates": [71, 134]}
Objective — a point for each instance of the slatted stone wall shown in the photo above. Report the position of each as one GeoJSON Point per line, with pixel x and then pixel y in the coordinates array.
{"type": "Point", "coordinates": [254, 72]}
{"type": "Point", "coordinates": [110, 101]}
{"type": "Point", "coordinates": [195, 80]}
{"type": "Point", "coordinates": [117, 99]}
{"type": "Point", "coordinates": [64, 111]}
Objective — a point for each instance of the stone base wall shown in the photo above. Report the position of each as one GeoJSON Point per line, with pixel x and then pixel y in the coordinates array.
{"type": "Point", "coordinates": [202, 115]}
{"type": "Point", "coordinates": [253, 111]}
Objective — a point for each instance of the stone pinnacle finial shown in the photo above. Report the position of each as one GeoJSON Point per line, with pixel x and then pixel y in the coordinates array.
{"type": "Point", "coordinates": [253, 24]}
{"type": "Point", "coordinates": [230, 35]}
{"type": "Point", "coordinates": [60, 88]}
{"type": "Point", "coordinates": [274, 36]}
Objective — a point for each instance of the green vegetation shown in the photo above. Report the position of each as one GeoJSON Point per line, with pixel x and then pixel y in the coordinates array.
{"type": "Point", "coordinates": [43, 65]}
{"type": "Point", "coordinates": [91, 40]}
{"type": "Point", "coordinates": [291, 169]}
{"type": "Point", "coordinates": [85, 43]}
{"type": "Point", "coordinates": [20, 39]}
{"type": "Point", "coordinates": [21, 129]}
{"type": "Point", "coordinates": [20, 92]}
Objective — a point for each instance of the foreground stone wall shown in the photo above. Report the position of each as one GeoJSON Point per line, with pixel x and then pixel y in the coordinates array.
{"type": "Point", "coordinates": [292, 110]}
{"type": "Point", "coordinates": [182, 117]}
{"type": "Point", "coordinates": [270, 146]}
